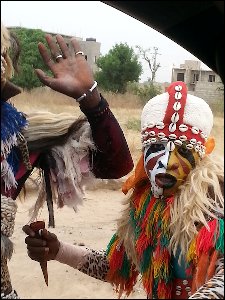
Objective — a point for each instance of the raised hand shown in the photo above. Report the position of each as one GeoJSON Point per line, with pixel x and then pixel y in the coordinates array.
{"type": "Point", "coordinates": [72, 74]}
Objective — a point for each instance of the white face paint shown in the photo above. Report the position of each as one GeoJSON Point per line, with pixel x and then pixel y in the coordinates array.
{"type": "Point", "coordinates": [156, 158]}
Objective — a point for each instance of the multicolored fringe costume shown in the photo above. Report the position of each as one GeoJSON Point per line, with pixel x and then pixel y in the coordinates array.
{"type": "Point", "coordinates": [12, 124]}
{"type": "Point", "coordinates": [174, 257]}
{"type": "Point", "coordinates": [141, 249]}
{"type": "Point", "coordinates": [150, 219]}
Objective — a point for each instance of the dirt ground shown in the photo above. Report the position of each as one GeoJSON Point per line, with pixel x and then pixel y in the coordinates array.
{"type": "Point", "coordinates": [93, 225]}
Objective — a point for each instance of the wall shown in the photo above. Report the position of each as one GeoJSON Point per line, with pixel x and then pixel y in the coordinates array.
{"type": "Point", "coordinates": [200, 87]}
{"type": "Point", "coordinates": [91, 49]}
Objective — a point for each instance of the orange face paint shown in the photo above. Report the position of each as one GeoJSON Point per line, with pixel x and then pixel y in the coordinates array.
{"type": "Point", "coordinates": [180, 164]}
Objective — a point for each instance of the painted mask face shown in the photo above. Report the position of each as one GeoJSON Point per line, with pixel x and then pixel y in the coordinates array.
{"type": "Point", "coordinates": [168, 170]}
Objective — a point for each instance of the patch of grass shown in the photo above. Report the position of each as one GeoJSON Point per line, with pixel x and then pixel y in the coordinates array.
{"type": "Point", "coordinates": [217, 108]}
{"type": "Point", "coordinates": [133, 124]}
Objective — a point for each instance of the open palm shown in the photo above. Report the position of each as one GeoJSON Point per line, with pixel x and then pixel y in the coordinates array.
{"type": "Point", "coordinates": [72, 74]}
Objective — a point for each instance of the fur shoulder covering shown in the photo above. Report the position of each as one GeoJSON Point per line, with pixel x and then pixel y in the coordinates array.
{"type": "Point", "coordinates": [69, 147]}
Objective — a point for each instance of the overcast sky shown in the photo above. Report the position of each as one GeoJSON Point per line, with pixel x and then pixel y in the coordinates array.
{"type": "Point", "coordinates": [95, 19]}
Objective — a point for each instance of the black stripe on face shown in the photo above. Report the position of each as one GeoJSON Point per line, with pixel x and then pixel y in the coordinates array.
{"type": "Point", "coordinates": [187, 154]}
{"type": "Point", "coordinates": [154, 148]}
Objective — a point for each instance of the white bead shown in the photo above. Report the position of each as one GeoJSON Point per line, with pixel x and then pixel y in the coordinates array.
{"type": "Point", "coordinates": [164, 140]}
{"type": "Point", "coordinates": [189, 146]}
{"type": "Point", "coordinates": [177, 106]}
{"type": "Point", "coordinates": [152, 133]}
{"type": "Point", "coordinates": [185, 282]}
{"type": "Point", "coordinates": [150, 125]}
{"type": "Point", "coordinates": [175, 117]}
{"type": "Point", "coordinates": [183, 138]}
{"type": "Point", "coordinates": [160, 125]}
{"type": "Point", "coordinates": [189, 293]}
{"type": "Point", "coordinates": [161, 134]}
{"type": "Point", "coordinates": [199, 143]}
{"type": "Point", "coordinates": [197, 148]}
{"type": "Point", "coordinates": [153, 140]}
{"type": "Point", "coordinates": [202, 135]}
{"type": "Point", "coordinates": [172, 127]}
{"type": "Point", "coordinates": [170, 146]}
{"type": "Point", "coordinates": [187, 288]}
{"type": "Point", "coordinates": [195, 130]}
{"type": "Point", "coordinates": [193, 141]}
{"type": "Point", "coordinates": [178, 88]}
{"type": "Point", "coordinates": [178, 95]}
{"type": "Point", "coordinates": [178, 142]}
{"type": "Point", "coordinates": [183, 128]}
{"type": "Point", "coordinates": [178, 287]}
{"type": "Point", "coordinates": [172, 136]}
{"type": "Point", "coordinates": [178, 293]}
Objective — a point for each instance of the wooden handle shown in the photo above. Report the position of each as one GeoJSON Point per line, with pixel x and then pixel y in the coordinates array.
{"type": "Point", "coordinates": [36, 226]}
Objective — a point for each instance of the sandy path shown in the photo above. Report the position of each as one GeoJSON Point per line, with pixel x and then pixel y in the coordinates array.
{"type": "Point", "coordinates": [92, 225]}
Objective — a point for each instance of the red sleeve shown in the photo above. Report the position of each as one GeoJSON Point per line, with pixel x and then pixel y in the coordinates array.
{"type": "Point", "coordinates": [112, 159]}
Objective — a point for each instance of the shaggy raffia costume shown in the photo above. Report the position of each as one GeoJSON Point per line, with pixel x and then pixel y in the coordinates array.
{"type": "Point", "coordinates": [69, 153]}
{"type": "Point", "coordinates": [174, 243]}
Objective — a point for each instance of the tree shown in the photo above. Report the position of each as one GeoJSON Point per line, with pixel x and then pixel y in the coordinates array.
{"type": "Point", "coordinates": [30, 58]}
{"type": "Point", "coordinates": [117, 68]}
{"type": "Point", "coordinates": [151, 59]}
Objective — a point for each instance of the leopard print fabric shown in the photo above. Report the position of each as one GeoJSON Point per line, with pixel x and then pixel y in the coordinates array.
{"type": "Point", "coordinates": [214, 288]}
{"type": "Point", "coordinates": [6, 286]}
{"type": "Point", "coordinates": [22, 144]}
{"type": "Point", "coordinates": [96, 264]}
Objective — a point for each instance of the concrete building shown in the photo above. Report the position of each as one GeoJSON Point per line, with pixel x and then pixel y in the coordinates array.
{"type": "Point", "coordinates": [205, 84]}
{"type": "Point", "coordinates": [91, 48]}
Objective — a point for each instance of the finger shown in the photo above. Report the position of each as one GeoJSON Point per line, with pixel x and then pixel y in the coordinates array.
{"type": "Point", "coordinates": [45, 55]}
{"type": "Point", "coordinates": [41, 251]}
{"type": "Point", "coordinates": [33, 242]}
{"type": "Point", "coordinates": [45, 79]}
{"type": "Point", "coordinates": [76, 46]}
{"type": "Point", "coordinates": [28, 230]}
{"type": "Point", "coordinates": [63, 46]}
{"type": "Point", "coordinates": [48, 236]}
{"type": "Point", "coordinates": [38, 256]}
{"type": "Point", "coordinates": [54, 49]}
{"type": "Point", "coordinates": [35, 257]}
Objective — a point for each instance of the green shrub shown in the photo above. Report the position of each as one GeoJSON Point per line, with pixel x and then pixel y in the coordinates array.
{"type": "Point", "coordinates": [145, 91]}
{"type": "Point", "coordinates": [133, 124]}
